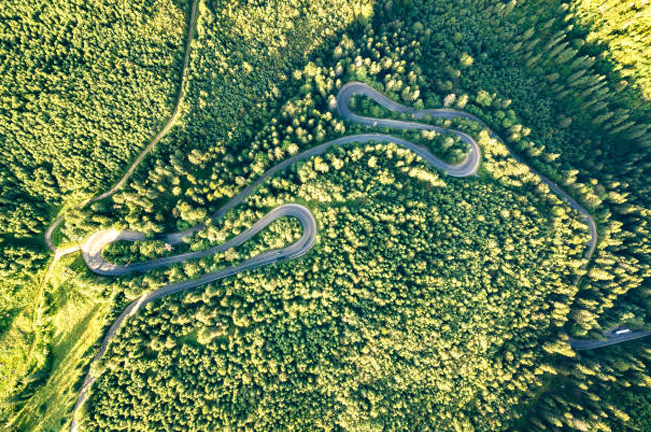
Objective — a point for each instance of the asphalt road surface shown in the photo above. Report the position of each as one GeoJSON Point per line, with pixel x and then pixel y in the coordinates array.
{"type": "Point", "coordinates": [93, 246]}
{"type": "Point", "coordinates": [292, 251]}
{"type": "Point", "coordinates": [610, 339]}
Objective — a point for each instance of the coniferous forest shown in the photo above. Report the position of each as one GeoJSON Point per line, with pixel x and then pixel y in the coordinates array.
{"type": "Point", "coordinates": [428, 301]}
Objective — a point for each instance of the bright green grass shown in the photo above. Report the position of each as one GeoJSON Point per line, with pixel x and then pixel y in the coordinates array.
{"type": "Point", "coordinates": [77, 322]}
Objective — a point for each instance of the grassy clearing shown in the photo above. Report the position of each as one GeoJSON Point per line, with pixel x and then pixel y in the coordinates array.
{"type": "Point", "coordinates": [77, 311]}
{"type": "Point", "coordinates": [22, 347]}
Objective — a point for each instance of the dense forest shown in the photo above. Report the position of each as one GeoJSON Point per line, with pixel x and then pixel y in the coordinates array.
{"type": "Point", "coordinates": [315, 342]}
{"type": "Point", "coordinates": [428, 302]}
{"type": "Point", "coordinates": [78, 99]}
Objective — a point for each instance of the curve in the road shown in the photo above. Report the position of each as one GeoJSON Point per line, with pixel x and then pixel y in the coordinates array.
{"type": "Point", "coordinates": [359, 88]}
{"type": "Point", "coordinates": [292, 251]}
{"type": "Point", "coordinates": [466, 168]}
{"type": "Point", "coordinates": [92, 248]}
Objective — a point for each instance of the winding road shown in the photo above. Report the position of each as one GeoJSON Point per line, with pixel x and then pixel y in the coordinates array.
{"type": "Point", "coordinates": [292, 251]}
{"type": "Point", "coordinates": [92, 248]}
{"type": "Point", "coordinates": [350, 89]}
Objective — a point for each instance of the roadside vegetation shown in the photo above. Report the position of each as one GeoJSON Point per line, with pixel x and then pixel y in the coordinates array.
{"type": "Point", "coordinates": [83, 85]}
{"type": "Point", "coordinates": [448, 147]}
{"type": "Point", "coordinates": [387, 292]}
{"type": "Point", "coordinates": [428, 303]}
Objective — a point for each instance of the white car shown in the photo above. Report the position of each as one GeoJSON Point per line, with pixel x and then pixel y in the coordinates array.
{"type": "Point", "coordinates": [621, 331]}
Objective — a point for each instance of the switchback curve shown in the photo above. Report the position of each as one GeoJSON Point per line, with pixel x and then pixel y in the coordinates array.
{"type": "Point", "coordinates": [93, 247]}
{"type": "Point", "coordinates": [358, 88]}
{"type": "Point", "coordinates": [292, 251]}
